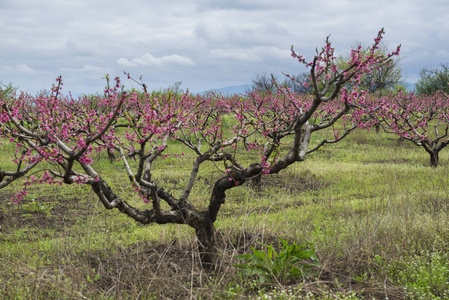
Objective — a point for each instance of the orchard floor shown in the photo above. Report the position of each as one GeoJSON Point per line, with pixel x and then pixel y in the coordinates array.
{"type": "Point", "coordinates": [373, 210]}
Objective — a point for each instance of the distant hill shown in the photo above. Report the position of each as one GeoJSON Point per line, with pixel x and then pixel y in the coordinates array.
{"type": "Point", "coordinates": [231, 90]}
{"type": "Point", "coordinates": [242, 89]}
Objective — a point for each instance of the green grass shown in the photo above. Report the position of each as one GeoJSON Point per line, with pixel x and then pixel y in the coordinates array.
{"type": "Point", "coordinates": [374, 210]}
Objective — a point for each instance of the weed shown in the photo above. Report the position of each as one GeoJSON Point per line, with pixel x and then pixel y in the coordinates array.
{"type": "Point", "coordinates": [365, 205]}
{"type": "Point", "coordinates": [272, 266]}
{"type": "Point", "coordinates": [37, 207]}
{"type": "Point", "coordinates": [424, 275]}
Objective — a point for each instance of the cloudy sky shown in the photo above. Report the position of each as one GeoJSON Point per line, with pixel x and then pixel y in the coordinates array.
{"type": "Point", "coordinates": [204, 44]}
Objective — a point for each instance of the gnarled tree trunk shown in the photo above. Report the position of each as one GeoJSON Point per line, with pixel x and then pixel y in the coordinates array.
{"type": "Point", "coordinates": [434, 158]}
{"type": "Point", "coordinates": [434, 152]}
{"type": "Point", "coordinates": [205, 233]}
{"type": "Point", "coordinates": [205, 230]}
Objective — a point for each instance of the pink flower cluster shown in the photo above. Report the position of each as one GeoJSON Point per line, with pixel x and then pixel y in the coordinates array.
{"type": "Point", "coordinates": [70, 134]}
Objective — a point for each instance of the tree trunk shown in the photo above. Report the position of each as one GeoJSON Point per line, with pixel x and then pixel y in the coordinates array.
{"type": "Point", "coordinates": [377, 127]}
{"type": "Point", "coordinates": [205, 232]}
{"type": "Point", "coordinates": [111, 155]}
{"type": "Point", "coordinates": [434, 158]}
{"type": "Point", "coordinates": [433, 151]}
{"type": "Point", "coordinates": [204, 224]}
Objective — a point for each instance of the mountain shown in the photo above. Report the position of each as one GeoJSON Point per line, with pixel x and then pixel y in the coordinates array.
{"type": "Point", "coordinates": [231, 90]}
{"type": "Point", "coordinates": [242, 89]}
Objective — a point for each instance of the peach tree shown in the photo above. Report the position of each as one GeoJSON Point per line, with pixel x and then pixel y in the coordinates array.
{"type": "Point", "coordinates": [57, 136]}
{"type": "Point", "coordinates": [420, 119]}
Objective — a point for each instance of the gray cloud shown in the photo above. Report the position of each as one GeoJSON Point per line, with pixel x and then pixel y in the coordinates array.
{"type": "Point", "coordinates": [148, 59]}
{"type": "Point", "coordinates": [256, 54]}
{"type": "Point", "coordinates": [204, 44]}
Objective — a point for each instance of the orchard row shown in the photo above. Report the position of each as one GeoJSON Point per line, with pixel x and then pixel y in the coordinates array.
{"type": "Point", "coordinates": [55, 137]}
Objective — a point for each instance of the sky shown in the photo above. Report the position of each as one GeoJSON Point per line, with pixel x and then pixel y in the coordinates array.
{"type": "Point", "coordinates": [203, 44]}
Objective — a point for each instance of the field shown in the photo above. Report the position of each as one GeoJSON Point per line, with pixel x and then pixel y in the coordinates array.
{"type": "Point", "coordinates": [372, 208]}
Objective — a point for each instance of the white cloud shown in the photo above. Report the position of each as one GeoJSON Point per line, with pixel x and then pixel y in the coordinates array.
{"type": "Point", "coordinates": [22, 68]}
{"type": "Point", "coordinates": [85, 68]}
{"type": "Point", "coordinates": [89, 69]}
{"type": "Point", "coordinates": [149, 60]}
{"type": "Point", "coordinates": [17, 69]}
{"type": "Point", "coordinates": [228, 41]}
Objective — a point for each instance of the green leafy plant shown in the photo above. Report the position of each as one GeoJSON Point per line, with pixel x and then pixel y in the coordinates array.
{"type": "Point", "coordinates": [92, 280]}
{"type": "Point", "coordinates": [292, 261]}
{"type": "Point", "coordinates": [37, 207]}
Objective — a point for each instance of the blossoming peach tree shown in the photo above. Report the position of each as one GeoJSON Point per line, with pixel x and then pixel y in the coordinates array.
{"type": "Point", "coordinates": [422, 120]}
{"type": "Point", "coordinates": [58, 136]}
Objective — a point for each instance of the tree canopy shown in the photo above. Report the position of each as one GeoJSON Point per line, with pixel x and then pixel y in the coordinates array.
{"type": "Point", "coordinates": [383, 79]}
{"type": "Point", "coordinates": [433, 80]}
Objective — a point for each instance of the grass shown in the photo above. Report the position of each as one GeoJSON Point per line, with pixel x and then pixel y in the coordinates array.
{"type": "Point", "coordinates": [374, 210]}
